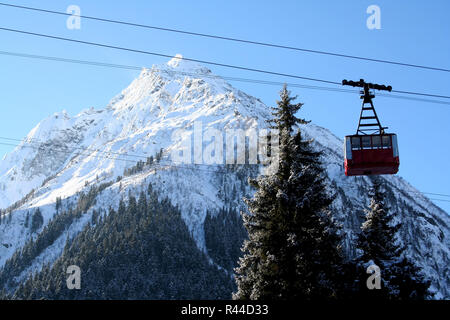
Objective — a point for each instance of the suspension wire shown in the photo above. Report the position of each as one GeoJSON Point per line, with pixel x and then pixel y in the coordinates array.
{"type": "Point", "coordinates": [208, 75]}
{"type": "Point", "coordinates": [246, 41]}
{"type": "Point", "coordinates": [200, 61]}
{"type": "Point", "coordinates": [168, 163]}
{"type": "Point", "coordinates": [167, 55]}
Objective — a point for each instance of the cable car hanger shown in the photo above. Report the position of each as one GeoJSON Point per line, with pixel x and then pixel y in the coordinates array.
{"type": "Point", "coordinates": [374, 126]}
{"type": "Point", "coordinates": [371, 151]}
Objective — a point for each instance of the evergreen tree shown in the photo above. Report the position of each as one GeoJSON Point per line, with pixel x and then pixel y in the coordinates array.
{"type": "Point", "coordinates": [27, 219]}
{"type": "Point", "coordinates": [159, 155]}
{"type": "Point", "coordinates": [378, 244]}
{"type": "Point", "coordinates": [36, 220]}
{"type": "Point", "coordinates": [293, 251]}
{"type": "Point", "coordinates": [58, 203]}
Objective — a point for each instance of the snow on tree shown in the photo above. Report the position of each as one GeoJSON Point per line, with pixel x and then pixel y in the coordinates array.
{"type": "Point", "coordinates": [378, 244]}
{"type": "Point", "coordinates": [293, 251]}
{"type": "Point", "coordinates": [36, 220]}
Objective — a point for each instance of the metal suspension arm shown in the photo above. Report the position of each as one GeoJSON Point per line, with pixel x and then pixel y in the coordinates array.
{"type": "Point", "coordinates": [374, 126]}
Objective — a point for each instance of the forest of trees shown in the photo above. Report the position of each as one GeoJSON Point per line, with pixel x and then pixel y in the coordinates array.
{"type": "Point", "coordinates": [141, 251]}
{"type": "Point", "coordinates": [224, 235]}
{"type": "Point", "coordinates": [52, 231]}
{"type": "Point", "coordinates": [141, 165]}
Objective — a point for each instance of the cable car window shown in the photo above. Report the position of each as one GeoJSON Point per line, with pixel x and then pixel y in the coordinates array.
{"type": "Point", "coordinates": [376, 141]}
{"type": "Point", "coordinates": [366, 142]}
{"type": "Point", "coordinates": [356, 143]}
{"type": "Point", "coordinates": [386, 142]}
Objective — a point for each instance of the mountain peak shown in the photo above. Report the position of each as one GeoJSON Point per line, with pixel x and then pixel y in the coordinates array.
{"type": "Point", "coordinates": [175, 61]}
{"type": "Point", "coordinates": [180, 64]}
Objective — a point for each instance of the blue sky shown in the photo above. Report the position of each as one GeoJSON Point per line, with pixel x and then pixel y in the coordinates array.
{"type": "Point", "coordinates": [411, 31]}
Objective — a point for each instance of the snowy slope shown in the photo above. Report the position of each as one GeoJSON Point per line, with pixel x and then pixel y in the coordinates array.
{"type": "Point", "coordinates": [64, 155]}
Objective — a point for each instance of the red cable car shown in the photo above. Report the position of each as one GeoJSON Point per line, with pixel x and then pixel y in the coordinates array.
{"type": "Point", "coordinates": [371, 154]}
{"type": "Point", "coordinates": [370, 151]}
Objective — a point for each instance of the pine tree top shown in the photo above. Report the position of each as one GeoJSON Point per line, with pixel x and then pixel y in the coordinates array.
{"type": "Point", "coordinates": [284, 112]}
{"type": "Point", "coordinates": [378, 238]}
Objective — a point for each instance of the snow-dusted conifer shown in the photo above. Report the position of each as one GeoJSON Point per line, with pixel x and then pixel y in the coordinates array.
{"type": "Point", "coordinates": [378, 244]}
{"type": "Point", "coordinates": [293, 251]}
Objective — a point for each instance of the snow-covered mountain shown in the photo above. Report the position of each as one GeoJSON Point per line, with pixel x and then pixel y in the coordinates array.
{"type": "Point", "coordinates": [64, 156]}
